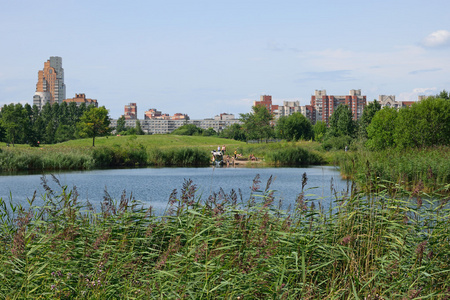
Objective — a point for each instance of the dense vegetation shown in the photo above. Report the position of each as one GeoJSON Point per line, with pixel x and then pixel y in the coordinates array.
{"type": "Point", "coordinates": [53, 124]}
{"type": "Point", "coordinates": [225, 247]}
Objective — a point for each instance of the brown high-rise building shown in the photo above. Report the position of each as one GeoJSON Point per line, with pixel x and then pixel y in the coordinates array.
{"type": "Point", "coordinates": [131, 111]}
{"type": "Point", "coordinates": [50, 87]}
{"type": "Point", "coordinates": [324, 105]}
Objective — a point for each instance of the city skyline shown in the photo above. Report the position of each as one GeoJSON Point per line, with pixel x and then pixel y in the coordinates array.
{"type": "Point", "coordinates": [203, 59]}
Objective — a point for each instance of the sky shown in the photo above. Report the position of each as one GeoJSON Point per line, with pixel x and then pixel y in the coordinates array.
{"type": "Point", "coordinates": [203, 58]}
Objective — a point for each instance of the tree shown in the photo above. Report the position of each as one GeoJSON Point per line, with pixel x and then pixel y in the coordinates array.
{"type": "Point", "coordinates": [209, 132]}
{"type": "Point", "coordinates": [14, 121]}
{"type": "Point", "coordinates": [382, 128]}
{"type": "Point", "coordinates": [95, 122]}
{"type": "Point", "coordinates": [234, 132]}
{"type": "Point", "coordinates": [341, 122]}
{"type": "Point", "coordinates": [320, 129]}
{"type": "Point", "coordinates": [294, 127]}
{"type": "Point", "coordinates": [139, 130]}
{"type": "Point", "coordinates": [188, 129]}
{"type": "Point", "coordinates": [257, 123]}
{"type": "Point", "coordinates": [369, 111]}
{"type": "Point", "coordinates": [426, 123]}
{"type": "Point", "coordinates": [120, 124]}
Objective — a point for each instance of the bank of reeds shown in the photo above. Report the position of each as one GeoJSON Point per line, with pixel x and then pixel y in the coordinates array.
{"type": "Point", "coordinates": [225, 247]}
{"type": "Point", "coordinates": [293, 156]}
{"type": "Point", "coordinates": [183, 156]}
{"type": "Point", "coordinates": [429, 167]}
{"type": "Point", "coordinates": [130, 155]}
{"type": "Point", "coordinates": [26, 159]}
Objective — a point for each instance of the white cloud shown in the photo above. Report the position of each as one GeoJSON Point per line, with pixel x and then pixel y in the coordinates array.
{"type": "Point", "coordinates": [437, 39]}
{"type": "Point", "coordinates": [414, 95]}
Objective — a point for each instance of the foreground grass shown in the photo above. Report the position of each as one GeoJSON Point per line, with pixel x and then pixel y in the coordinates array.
{"type": "Point", "coordinates": [226, 247]}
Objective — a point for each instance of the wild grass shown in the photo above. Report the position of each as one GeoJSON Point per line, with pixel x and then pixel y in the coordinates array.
{"type": "Point", "coordinates": [14, 159]}
{"type": "Point", "coordinates": [155, 150]}
{"type": "Point", "coordinates": [428, 167]}
{"type": "Point", "coordinates": [221, 246]}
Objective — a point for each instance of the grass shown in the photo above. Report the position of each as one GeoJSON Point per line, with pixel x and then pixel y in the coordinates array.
{"type": "Point", "coordinates": [221, 246]}
{"type": "Point", "coordinates": [148, 150]}
{"type": "Point", "coordinates": [429, 168]}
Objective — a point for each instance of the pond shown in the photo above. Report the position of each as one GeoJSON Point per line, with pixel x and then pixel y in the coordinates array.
{"type": "Point", "coordinates": [153, 186]}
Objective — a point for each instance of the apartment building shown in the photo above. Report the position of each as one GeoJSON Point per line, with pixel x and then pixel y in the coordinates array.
{"type": "Point", "coordinates": [81, 98]}
{"type": "Point", "coordinates": [130, 111]}
{"type": "Point", "coordinates": [165, 126]}
{"type": "Point", "coordinates": [324, 105]}
{"type": "Point", "coordinates": [266, 100]}
{"type": "Point", "coordinates": [50, 87]}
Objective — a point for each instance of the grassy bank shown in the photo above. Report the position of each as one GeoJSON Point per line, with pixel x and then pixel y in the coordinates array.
{"type": "Point", "coordinates": [427, 169]}
{"type": "Point", "coordinates": [154, 150]}
{"type": "Point", "coordinates": [225, 247]}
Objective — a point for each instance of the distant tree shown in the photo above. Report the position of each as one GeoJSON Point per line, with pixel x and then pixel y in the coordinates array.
{"type": "Point", "coordinates": [14, 121]}
{"type": "Point", "coordinates": [320, 129]}
{"type": "Point", "coordinates": [369, 111]}
{"type": "Point", "coordinates": [341, 122]}
{"type": "Point", "coordinates": [234, 132]}
{"type": "Point", "coordinates": [95, 122]}
{"type": "Point", "coordinates": [257, 124]}
{"type": "Point", "coordinates": [139, 130]}
{"type": "Point", "coordinates": [294, 127]}
{"type": "Point", "coordinates": [426, 123]}
{"type": "Point", "coordinates": [443, 95]}
{"type": "Point", "coordinates": [381, 130]}
{"type": "Point", "coordinates": [209, 132]}
{"type": "Point", "coordinates": [188, 129]}
{"type": "Point", "coordinates": [120, 124]}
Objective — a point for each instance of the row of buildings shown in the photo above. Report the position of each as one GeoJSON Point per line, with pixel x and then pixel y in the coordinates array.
{"type": "Point", "coordinates": [51, 88]}
{"type": "Point", "coordinates": [323, 105]}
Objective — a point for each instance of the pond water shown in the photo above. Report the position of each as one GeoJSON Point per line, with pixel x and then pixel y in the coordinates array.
{"type": "Point", "coordinates": [153, 186]}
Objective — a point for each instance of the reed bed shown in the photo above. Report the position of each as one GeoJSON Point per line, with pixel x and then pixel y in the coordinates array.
{"type": "Point", "coordinates": [183, 156]}
{"type": "Point", "coordinates": [428, 167]}
{"type": "Point", "coordinates": [293, 156]}
{"type": "Point", "coordinates": [224, 247]}
{"type": "Point", "coordinates": [23, 159]}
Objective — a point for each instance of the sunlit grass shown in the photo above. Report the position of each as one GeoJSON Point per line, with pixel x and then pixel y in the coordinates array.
{"type": "Point", "coordinates": [221, 246]}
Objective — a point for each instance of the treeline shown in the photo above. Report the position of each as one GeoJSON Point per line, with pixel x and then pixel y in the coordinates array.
{"type": "Point", "coordinates": [424, 124]}
{"type": "Point", "coordinates": [23, 124]}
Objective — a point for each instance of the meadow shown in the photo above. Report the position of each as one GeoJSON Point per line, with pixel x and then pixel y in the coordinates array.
{"type": "Point", "coordinates": [220, 246]}
{"type": "Point", "coordinates": [149, 150]}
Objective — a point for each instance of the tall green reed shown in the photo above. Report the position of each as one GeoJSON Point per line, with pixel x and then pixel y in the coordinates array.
{"type": "Point", "coordinates": [375, 246]}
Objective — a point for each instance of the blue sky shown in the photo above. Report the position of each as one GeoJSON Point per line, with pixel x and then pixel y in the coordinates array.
{"type": "Point", "coordinates": [204, 58]}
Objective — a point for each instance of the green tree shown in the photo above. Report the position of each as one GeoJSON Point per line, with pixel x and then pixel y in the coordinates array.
{"type": "Point", "coordinates": [426, 123]}
{"type": "Point", "coordinates": [209, 132]}
{"type": "Point", "coordinates": [369, 111]}
{"type": "Point", "coordinates": [188, 129]}
{"type": "Point", "coordinates": [14, 121]}
{"type": "Point", "coordinates": [234, 132]}
{"type": "Point", "coordinates": [294, 127]}
{"type": "Point", "coordinates": [257, 124]}
{"type": "Point", "coordinates": [120, 124]}
{"type": "Point", "coordinates": [341, 122]}
{"type": "Point", "coordinates": [139, 130]}
{"type": "Point", "coordinates": [381, 129]}
{"type": "Point", "coordinates": [320, 129]}
{"type": "Point", "coordinates": [95, 122]}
